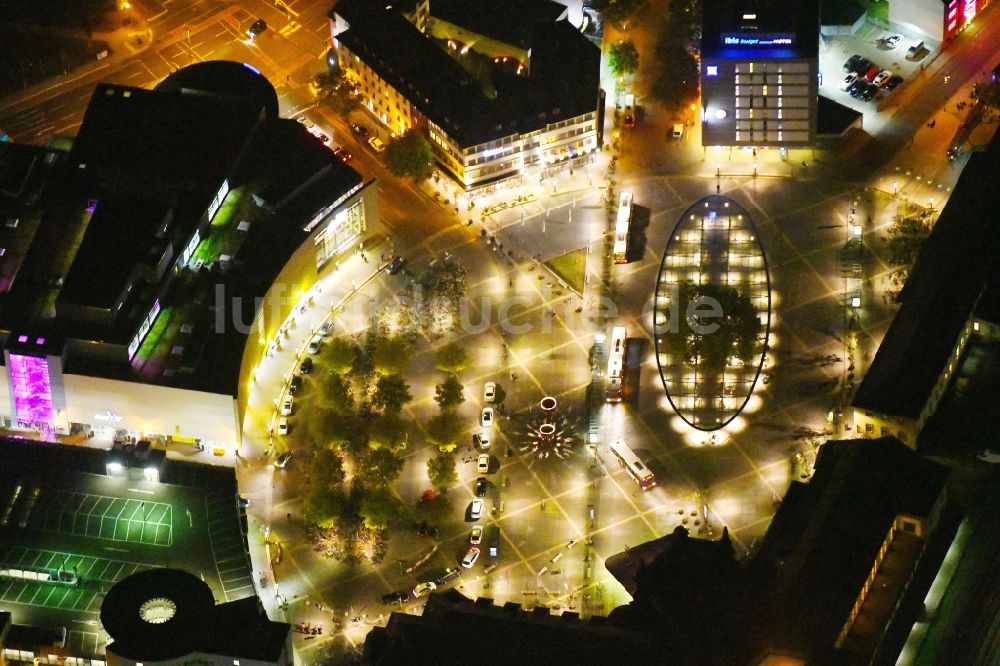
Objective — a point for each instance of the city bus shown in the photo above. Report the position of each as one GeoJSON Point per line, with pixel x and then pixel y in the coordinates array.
{"type": "Point", "coordinates": [616, 356]}
{"type": "Point", "coordinates": [622, 226]}
{"type": "Point", "coordinates": [635, 467]}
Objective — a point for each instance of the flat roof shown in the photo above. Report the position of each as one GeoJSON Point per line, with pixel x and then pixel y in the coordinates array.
{"type": "Point", "coordinates": [797, 21]}
{"type": "Point", "coordinates": [821, 554]}
{"type": "Point", "coordinates": [124, 232]}
{"type": "Point", "coordinates": [508, 21]}
{"type": "Point", "coordinates": [563, 82]}
{"type": "Point", "coordinates": [834, 118]}
{"type": "Point", "coordinates": [944, 285]}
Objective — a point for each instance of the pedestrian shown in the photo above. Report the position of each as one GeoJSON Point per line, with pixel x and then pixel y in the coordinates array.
{"type": "Point", "coordinates": [289, 517]}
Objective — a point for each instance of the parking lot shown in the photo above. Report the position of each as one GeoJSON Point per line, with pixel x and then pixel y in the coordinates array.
{"type": "Point", "coordinates": [869, 42]}
{"type": "Point", "coordinates": [100, 517]}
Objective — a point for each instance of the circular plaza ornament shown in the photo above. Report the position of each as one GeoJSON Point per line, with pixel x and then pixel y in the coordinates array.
{"type": "Point", "coordinates": [157, 610]}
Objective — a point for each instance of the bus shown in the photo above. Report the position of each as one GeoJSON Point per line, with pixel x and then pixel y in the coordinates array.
{"type": "Point", "coordinates": [635, 467]}
{"type": "Point", "coordinates": [622, 227]}
{"type": "Point", "coordinates": [616, 356]}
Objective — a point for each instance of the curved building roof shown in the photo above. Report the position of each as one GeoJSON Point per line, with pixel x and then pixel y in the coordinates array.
{"type": "Point", "coordinates": [224, 78]}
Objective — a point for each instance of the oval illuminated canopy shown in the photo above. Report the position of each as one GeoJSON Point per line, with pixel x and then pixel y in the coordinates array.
{"type": "Point", "coordinates": [712, 313]}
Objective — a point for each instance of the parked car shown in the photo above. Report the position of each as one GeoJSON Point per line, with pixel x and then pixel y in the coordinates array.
{"type": "Point", "coordinates": [481, 440]}
{"type": "Point", "coordinates": [851, 64]}
{"type": "Point", "coordinates": [486, 417]}
{"type": "Point", "coordinates": [296, 382]}
{"type": "Point", "coordinates": [868, 92]}
{"type": "Point", "coordinates": [396, 265]}
{"type": "Point", "coordinates": [306, 366]}
{"type": "Point", "coordinates": [326, 328]}
{"type": "Point", "coordinates": [377, 144]}
{"type": "Point", "coordinates": [476, 509]}
{"type": "Point", "coordinates": [359, 130]}
{"type": "Point", "coordinates": [258, 26]}
{"type": "Point", "coordinates": [482, 485]}
{"type": "Point", "coordinates": [244, 502]}
{"type": "Point", "coordinates": [395, 597]}
{"type": "Point", "coordinates": [882, 78]}
{"type": "Point", "coordinates": [490, 392]}
{"type": "Point", "coordinates": [892, 41]}
{"type": "Point", "coordinates": [423, 589]}
{"type": "Point", "coordinates": [861, 66]}
{"type": "Point", "coordinates": [286, 405]}
{"type": "Point", "coordinates": [283, 425]}
{"type": "Point", "coordinates": [678, 131]}
{"type": "Point", "coordinates": [856, 88]}
{"type": "Point", "coordinates": [848, 81]}
{"type": "Point", "coordinates": [343, 154]}
{"type": "Point", "coordinates": [476, 535]}
{"type": "Point", "coordinates": [871, 73]}
{"type": "Point", "coordinates": [483, 463]}
{"type": "Point", "coordinates": [471, 556]}
{"type": "Point", "coordinates": [448, 576]}
{"type": "Point", "coordinates": [893, 81]}
{"type": "Point", "coordinates": [629, 120]}
{"type": "Point", "coordinates": [314, 344]}
{"type": "Point", "coordinates": [281, 461]}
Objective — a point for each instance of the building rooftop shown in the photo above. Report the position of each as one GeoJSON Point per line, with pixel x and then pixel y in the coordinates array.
{"type": "Point", "coordinates": [194, 624]}
{"type": "Point", "coordinates": [509, 21]}
{"type": "Point", "coordinates": [833, 118]}
{"type": "Point", "coordinates": [826, 534]}
{"type": "Point", "coordinates": [945, 283]}
{"type": "Point", "coordinates": [455, 630]}
{"type": "Point", "coordinates": [795, 26]}
{"type": "Point", "coordinates": [563, 82]}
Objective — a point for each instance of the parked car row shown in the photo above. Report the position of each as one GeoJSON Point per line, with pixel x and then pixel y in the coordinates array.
{"type": "Point", "coordinates": [864, 79]}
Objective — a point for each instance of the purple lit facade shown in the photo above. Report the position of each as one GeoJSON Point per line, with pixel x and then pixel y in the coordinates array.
{"type": "Point", "coordinates": [32, 390]}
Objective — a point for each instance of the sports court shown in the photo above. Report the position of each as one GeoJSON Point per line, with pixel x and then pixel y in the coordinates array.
{"type": "Point", "coordinates": [95, 575]}
{"type": "Point", "coordinates": [100, 517]}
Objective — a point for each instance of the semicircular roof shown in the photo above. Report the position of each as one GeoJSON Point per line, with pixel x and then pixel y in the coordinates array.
{"type": "Point", "coordinates": [224, 78]}
{"type": "Point", "coordinates": [715, 253]}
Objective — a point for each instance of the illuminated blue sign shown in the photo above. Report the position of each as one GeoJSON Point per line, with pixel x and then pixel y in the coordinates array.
{"type": "Point", "coordinates": [762, 39]}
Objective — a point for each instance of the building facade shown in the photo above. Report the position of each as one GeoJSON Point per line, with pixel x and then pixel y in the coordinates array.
{"type": "Point", "coordinates": [759, 73]}
{"type": "Point", "coordinates": [938, 20]}
{"type": "Point", "coordinates": [538, 106]}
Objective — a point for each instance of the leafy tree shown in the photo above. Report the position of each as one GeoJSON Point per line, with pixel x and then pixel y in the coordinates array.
{"type": "Point", "coordinates": [448, 394]}
{"type": "Point", "coordinates": [617, 11]}
{"type": "Point", "coordinates": [410, 156]}
{"type": "Point", "coordinates": [451, 358]}
{"type": "Point", "coordinates": [623, 58]}
{"type": "Point", "coordinates": [338, 355]}
{"type": "Point", "coordinates": [327, 469]}
{"type": "Point", "coordinates": [378, 509]}
{"type": "Point", "coordinates": [380, 467]}
{"type": "Point", "coordinates": [444, 431]}
{"type": "Point", "coordinates": [734, 333]}
{"type": "Point", "coordinates": [439, 508]}
{"type": "Point", "coordinates": [387, 431]}
{"type": "Point", "coordinates": [335, 393]}
{"type": "Point", "coordinates": [391, 393]}
{"type": "Point", "coordinates": [441, 471]}
{"type": "Point", "coordinates": [330, 429]}
{"type": "Point", "coordinates": [676, 83]}
{"type": "Point", "coordinates": [336, 92]}
{"type": "Point", "coordinates": [391, 355]}
{"type": "Point", "coordinates": [325, 507]}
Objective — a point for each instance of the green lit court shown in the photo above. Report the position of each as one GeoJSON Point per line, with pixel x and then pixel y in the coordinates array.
{"type": "Point", "coordinates": [95, 574]}
{"type": "Point", "coordinates": [100, 517]}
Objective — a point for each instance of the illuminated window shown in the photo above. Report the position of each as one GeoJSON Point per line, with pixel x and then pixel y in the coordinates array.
{"type": "Point", "coordinates": [712, 70]}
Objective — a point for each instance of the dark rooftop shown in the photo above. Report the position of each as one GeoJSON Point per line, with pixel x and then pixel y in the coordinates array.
{"type": "Point", "coordinates": [238, 629]}
{"type": "Point", "coordinates": [455, 630]}
{"type": "Point", "coordinates": [563, 82]}
{"type": "Point", "coordinates": [951, 271]}
{"type": "Point", "coordinates": [225, 79]}
{"type": "Point", "coordinates": [123, 232]}
{"type": "Point", "coordinates": [508, 21]}
{"type": "Point", "coordinates": [798, 20]}
{"type": "Point", "coordinates": [988, 305]}
{"type": "Point", "coordinates": [840, 12]}
{"type": "Point", "coordinates": [833, 118]}
{"type": "Point", "coordinates": [826, 535]}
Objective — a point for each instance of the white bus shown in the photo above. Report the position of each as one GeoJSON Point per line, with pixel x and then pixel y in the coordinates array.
{"type": "Point", "coordinates": [635, 467]}
{"type": "Point", "coordinates": [623, 225]}
{"type": "Point", "coordinates": [616, 357]}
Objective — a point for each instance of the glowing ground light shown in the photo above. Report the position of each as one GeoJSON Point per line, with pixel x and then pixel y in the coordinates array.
{"type": "Point", "coordinates": [157, 610]}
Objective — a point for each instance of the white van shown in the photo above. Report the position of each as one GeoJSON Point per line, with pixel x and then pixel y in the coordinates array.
{"type": "Point", "coordinates": [678, 131]}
